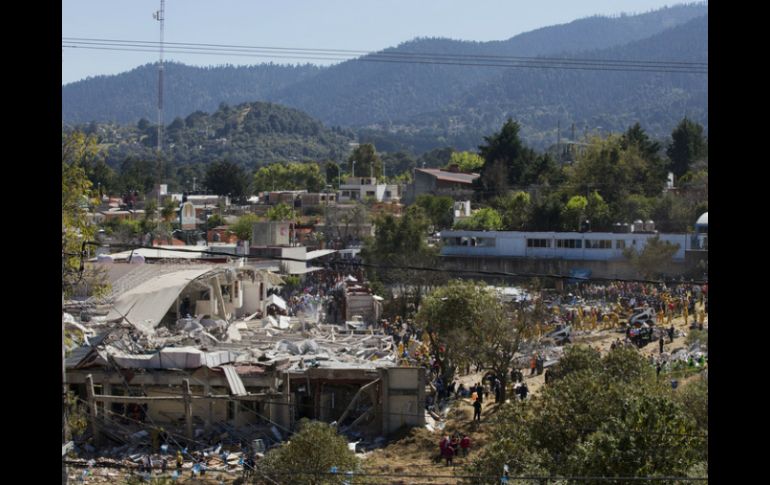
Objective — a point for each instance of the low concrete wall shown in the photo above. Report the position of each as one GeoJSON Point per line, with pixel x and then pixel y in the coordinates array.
{"type": "Point", "coordinates": [600, 269]}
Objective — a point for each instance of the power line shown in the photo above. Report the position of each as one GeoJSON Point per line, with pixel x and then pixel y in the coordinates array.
{"type": "Point", "coordinates": [434, 62]}
{"type": "Point", "coordinates": [333, 264]}
{"type": "Point", "coordinates": [467, 61]}
{"type": "Point", "coordinates": [385, 53]}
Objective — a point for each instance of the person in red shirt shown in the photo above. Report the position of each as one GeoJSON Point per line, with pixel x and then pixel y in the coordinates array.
{"type": "Point", "coordinates": [448, 453]}
{"type": "Point", "coordinates": [465, 444]}
{"type": "Point", "coordinates": [443, 444]}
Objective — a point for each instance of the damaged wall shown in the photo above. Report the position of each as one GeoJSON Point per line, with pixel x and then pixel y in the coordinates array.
{"type": "Point", "coordinates": [403, 397]}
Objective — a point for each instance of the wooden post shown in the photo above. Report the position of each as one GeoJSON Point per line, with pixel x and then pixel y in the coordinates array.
{"type": "Point", "coordinates": [385, 396]}
{"type": "Point", "coordinates": [206, 392]}
{"type": "Point", "coordinates": [289, 413]}
{"type": "Point", "coordinates": [92, 409]}
{"type": "Point", "coordinates": [187, 407]}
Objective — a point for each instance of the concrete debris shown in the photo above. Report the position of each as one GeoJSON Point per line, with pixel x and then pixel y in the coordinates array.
{"type": "Point", "coordinates": [233, 334]}
{"type": "Point", "coordinates": [214, 325]}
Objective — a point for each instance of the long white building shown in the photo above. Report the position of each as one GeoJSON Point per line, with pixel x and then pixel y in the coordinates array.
{"type": "Point", "coordinates": [586, 246]}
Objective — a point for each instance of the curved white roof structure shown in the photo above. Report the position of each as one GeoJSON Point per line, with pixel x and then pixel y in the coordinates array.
{"type": "Point", "coordinates": [703, 220]}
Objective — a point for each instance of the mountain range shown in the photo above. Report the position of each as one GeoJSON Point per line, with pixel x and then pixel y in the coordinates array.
{"type": "Point", "coordinates": [419, 106]}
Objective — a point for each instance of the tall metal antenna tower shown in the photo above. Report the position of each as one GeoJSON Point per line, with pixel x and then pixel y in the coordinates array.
{"type": "Point", "coordinates": [160, 16]}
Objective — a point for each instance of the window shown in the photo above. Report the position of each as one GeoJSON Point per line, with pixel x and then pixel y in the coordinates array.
{"type": "Point", "coordinates": [370, 193]}
{"type": "Point", "coordinates": [598, 244]}
{"type": "Point", "coordinates": [487, 242]}
{"type": "Point", "coordinates": [538, 243]}
{"type": "Point", "coordinates": [569, 243]}
{"type": "Point", "coordinates": [620, 244]}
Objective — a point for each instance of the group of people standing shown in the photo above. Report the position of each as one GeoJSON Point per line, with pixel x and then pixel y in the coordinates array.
{"type": "Point", "coordinates": [451, 447]}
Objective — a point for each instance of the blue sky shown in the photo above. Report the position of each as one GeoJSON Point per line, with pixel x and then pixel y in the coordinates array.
{"type": "Point", "coordinates": [329, 24]}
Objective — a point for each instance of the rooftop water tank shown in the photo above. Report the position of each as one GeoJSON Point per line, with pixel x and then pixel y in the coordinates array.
{"type": "Point", "coordinates": [649, 226]}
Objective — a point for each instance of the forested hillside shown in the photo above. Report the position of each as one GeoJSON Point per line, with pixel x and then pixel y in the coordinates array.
{"type": "Point", "coordinates": [596, 101]}
{"type": "Point", "coordinates": [248, 134]}
{"type": "Point", "coordinates": [132, 95]}
{"type": "Point", "coordinates": [419, 106]}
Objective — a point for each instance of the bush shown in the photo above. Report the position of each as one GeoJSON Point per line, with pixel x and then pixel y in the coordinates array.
{"type": "Point", "coordinates": [701, 336]}
{"type": "Point", "coordinates": [313, 451]}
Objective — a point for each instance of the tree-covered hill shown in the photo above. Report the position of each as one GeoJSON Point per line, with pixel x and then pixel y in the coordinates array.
{"type": "Point", "coordinates": [249, 134]}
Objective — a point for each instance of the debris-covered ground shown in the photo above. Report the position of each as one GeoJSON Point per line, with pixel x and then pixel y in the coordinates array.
{"type": "Point", "coordinates": [300, 343]}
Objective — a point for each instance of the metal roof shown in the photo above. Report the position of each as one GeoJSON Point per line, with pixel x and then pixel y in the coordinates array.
{"type": "Point", "coordinates": [145, 305]}
{"type": "Point", "coordinates": [462, 178]}
{"type": "Point", "coordinates": [234, 381]}
{"type": "Point", "coordinates": [318, 253]}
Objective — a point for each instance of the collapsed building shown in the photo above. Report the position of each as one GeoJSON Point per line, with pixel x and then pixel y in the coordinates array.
{"type": "Point", "coordinates": [191, 348]}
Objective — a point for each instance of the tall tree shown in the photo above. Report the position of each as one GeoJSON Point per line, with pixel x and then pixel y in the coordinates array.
{"type": "Point", "coordinates": [466, 161]}
{"type": "Point", "coordinates": [137, 174]}
{"type": "Point", "coordinates": [289, 176]}
{"type": "Point", "coordinates": [653, 174]}
{"type": "Point", "coordinates": [688, 145]}
{"type": "Point", "coordinates": [598, 212]}
{"type": "Point", "coordinates": [614, 168]}
{"type": "Point", "coordinates": [226, 178]}
{"type": "Point", "coordinates": [367, 161]}
{"type": "Point", "coordinates": [450, 315]}
{"type": "Point", "coordinates": [76, 197]}
{"type": "Point", "coordinates": [575, 212]}
{"type": "Point", "coordinates": [332, 174]}
{"type": "Point", "coordinates": [506, 160]}
{"type": "Point", "coordinates": [514, 208]}
{"type": "Point", "coordinates": [401, 242]}
{"type": "Point", "coordinates": [498, 338]}
{"type": "Point", "coordinates": [437, 208]}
